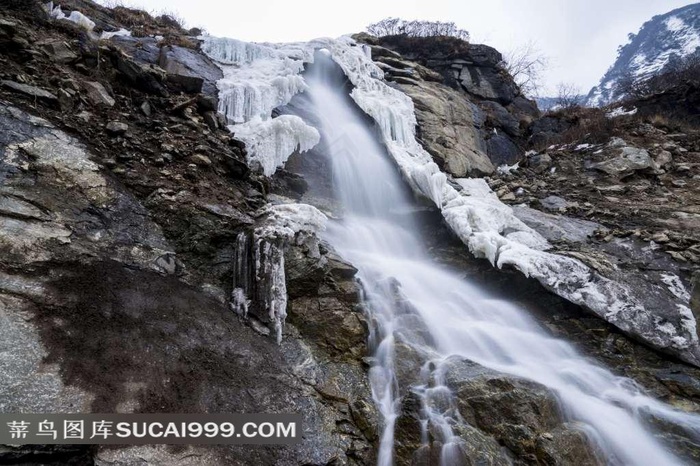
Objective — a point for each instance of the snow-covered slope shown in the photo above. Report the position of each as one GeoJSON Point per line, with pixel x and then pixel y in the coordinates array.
{"type": "Point", "coordinates": [660, 43]}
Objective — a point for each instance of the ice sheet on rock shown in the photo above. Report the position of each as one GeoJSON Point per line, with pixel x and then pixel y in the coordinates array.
{"type": "Point", "coordinates": [257, 77]}
{"type": "Point", "coordinates": [286, 220]}
{"type": "Point", "coordinates": [269, 143]}
{"type": "Point", "coordinates": [120, 33]}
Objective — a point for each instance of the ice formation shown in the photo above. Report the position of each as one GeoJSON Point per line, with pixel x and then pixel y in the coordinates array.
{"type": "Point", "coordinates": [120, 33]}
{"type": "Point", "coordinates": [270, 142]}
{"type": "Point", "coordinates": [259, 259]}
{"type": "Point", "coordinates": [257, 79]}
{"type": "Point", "coordinates": [55, 12]}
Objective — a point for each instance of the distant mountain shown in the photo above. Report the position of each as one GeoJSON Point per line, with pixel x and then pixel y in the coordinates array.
{"type": "Point", "coordinates": [661, 42]}
{"type": "Point", "coordinates": [546, 103]}
{"type": "Point", "coordinates": [553, 103]}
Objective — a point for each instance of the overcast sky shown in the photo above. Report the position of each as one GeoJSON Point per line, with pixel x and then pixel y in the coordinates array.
{"type": "Point", "coordinates": [580, 37]}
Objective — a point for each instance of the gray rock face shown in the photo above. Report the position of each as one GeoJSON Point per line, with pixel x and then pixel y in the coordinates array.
{"type": "Point", "coordinates": [59, 51]}
{"type": "Point", "coordinates": [556, 227]}
{"type": "Point", "coordinates": [474, 74]}
{"type": "Point", "coordinates": [447, 128]}
{"type": "Point", "coordinates": [502, 150]}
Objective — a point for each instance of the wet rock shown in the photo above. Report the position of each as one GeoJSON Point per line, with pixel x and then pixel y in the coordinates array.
{"type": "Point", "coordinates": [32, 92]}
{"type": "Point", "coordinates": [520, 414]}
{"type": "Point", "coordinates": [85, 266]}
{"type": "Point", "coordinates": [97, 94]}
{"type": "Point", "coordinates": [116, 128]}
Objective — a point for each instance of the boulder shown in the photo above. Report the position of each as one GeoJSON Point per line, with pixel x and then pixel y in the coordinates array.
{"type": "Point", "coordinates": [58, 51]}
{"type": "Point", "coordinates": [189, 71]}
{"type": "Point", "coordinates": [540, 162]}
{"type": "Point", "coordinates": [501, 150]}
{"type": "Point", "coordinates": [631, 159]}
{"type": "Point", "coordinates": [116, 128]}
{"type": "Point", "coordinates": [97, 94]}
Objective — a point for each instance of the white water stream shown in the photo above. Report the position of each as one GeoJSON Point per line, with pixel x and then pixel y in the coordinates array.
{"type": "Point", "coordinates": [461, 319]}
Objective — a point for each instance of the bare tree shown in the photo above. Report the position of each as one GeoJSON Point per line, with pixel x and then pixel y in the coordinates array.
{"type": "Point", "coordinates": [525, 64]}
{"type": "Point", "coordinates": [397, 26]}
{"type": "Point", "coordinates": [569, 96]}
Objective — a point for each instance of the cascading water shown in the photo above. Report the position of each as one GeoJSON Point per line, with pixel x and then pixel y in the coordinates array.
{"type": "Point", "coordinates": [460, 320]}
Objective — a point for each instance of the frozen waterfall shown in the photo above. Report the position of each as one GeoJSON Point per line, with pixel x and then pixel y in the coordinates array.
{"type": "Point", "coordinates": [448, 316]}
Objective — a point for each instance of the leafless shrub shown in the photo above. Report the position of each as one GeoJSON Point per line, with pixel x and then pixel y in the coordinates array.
{"type": "Point", "coordinates": [397, 27]}
{"type": "Point", "coordinates": [569, 96]}
{"type": "Point", "coordinates": [525, 64]}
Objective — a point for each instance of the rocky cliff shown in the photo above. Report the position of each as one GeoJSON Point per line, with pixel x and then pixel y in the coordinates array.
{"type": "Point", "coordinates": [471, 114]}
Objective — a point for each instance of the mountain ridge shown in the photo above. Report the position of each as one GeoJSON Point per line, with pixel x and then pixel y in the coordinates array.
{"type": "Point", "coordinates": [661, 42]}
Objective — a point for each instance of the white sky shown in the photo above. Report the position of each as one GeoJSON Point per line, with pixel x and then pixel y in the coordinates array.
{"type": "Point", "coordinates": [580, 37]}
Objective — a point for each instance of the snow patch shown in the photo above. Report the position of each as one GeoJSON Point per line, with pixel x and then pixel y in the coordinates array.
{"type": "Point", "coordinates": [620, 111]}
{"type": "Point", "coordinates": [508, 170]}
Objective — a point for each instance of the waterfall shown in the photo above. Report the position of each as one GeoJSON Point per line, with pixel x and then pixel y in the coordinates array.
{"type": "Point", "coordinates": [418, 304]}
